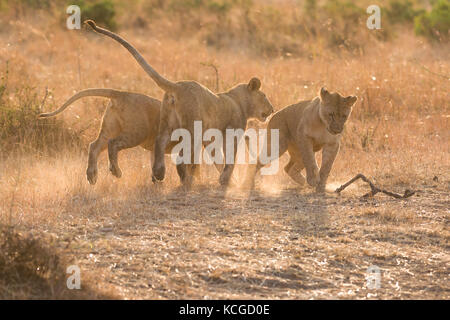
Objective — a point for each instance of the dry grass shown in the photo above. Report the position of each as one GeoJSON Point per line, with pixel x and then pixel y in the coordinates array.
{"type": "Point", "coordinates": [148, 241]}
{"type": "Point", "coordinates": [31, 269]}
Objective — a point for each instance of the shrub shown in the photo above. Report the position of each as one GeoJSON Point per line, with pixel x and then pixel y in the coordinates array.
{"type": "Point", "coordinates": [20, 6]}
{"type": "Point", "coordinates": [220, 7]}
{"type": "Point", "coordinates": [401, 11]}
{"type": "Point", "coordinates": [344, 10]}
{"type": "Point", "coordinates": [346, 22]}
{"type": "Point", "coordinates": [103, 12]}
{"type": "Point", "coordinates": [436, 23]}
{"type": "Point", "coordinates": [22, 131]}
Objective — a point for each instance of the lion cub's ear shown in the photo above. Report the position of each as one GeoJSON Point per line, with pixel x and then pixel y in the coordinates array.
{"type": "Point", "coordinates": [254, 84]}
{"type": "Point", "coordinates": [324, 93]}
{"type": "Point", "coordinates": [350, 100]}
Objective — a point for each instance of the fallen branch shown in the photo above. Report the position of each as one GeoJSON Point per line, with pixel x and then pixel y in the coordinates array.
{"type": "Point", "coordinates": [373, 189]}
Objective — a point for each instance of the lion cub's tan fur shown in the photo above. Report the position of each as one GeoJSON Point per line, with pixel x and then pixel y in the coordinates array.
{"type": "Point", "coordinates": [194, 102]}
{"type": "Point", "coordinates": [305, 128]}
{"type": "Point", "coordinates": [131, 119]}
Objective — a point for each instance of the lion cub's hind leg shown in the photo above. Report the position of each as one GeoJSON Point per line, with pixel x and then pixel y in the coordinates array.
{"type": "Point", "coordinates": [295, 166]}
{"type": "Point", "coordinates": [95, 148]}
{"type": "Point", "coordinates": [124, 140]}
{"type": "Point", "coordinates": [109, 129]}
{"type": "Point", "coordinates": [293, 170]}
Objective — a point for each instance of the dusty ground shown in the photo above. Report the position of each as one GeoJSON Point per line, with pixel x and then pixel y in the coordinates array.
{"type": "Point", "coordinates": [291, 246]}
{"type": "Point", "coordinates": [158, 242]}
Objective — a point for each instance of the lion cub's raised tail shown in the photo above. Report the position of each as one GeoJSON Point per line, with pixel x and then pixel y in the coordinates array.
{"type": "Point", "coordinates": [107, 93]}
{"type": "Point", "coordinates": [162, 82]}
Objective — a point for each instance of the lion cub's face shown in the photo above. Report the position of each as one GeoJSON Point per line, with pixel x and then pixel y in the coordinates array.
{"type": "Point", "coordinates": [335, 110]}
{"type": "Point", "coordinates": [260, 106]}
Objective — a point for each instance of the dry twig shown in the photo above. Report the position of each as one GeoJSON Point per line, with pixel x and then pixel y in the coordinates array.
{"type": "Point", "coordinates": [430, 71]}
{"type": "Point", "coordinates": [373, 189]}
{"type": "Point", "coordinates": [43, 100]}
{"type": "Point", "coordinates": [216, 70]}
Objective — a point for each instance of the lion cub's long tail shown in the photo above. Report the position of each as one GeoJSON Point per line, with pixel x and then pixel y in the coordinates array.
{"type": "Point", "coordinates": [107, 93]}
{"type": "Point", "coordinates": [162, 82]}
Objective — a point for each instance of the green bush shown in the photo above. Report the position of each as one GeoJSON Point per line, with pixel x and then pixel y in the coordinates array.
{"type": "Point", "coordinates": [102, 12]}
{"type": "Point", "coordinates": [346, 21]}
{"type": "Point", "coordinates": [219, 7]}
{"type": "Point", "coordinates": [36, 4]}
{"type": "Point", "coordinates": [344, 10]}
{"type": "Point", "coordinates": [436, 23]}
{"type": "Point", "coordinates": [401, 11]}
{"type": "Point", "coordinates": [23, 5]}
{"type": "Point", "coordinates": [214, 6]}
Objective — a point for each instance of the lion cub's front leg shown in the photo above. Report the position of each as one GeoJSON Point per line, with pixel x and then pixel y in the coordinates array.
{"type": "Point", "coordinates": [228, 147]}
{"type": "Point", "coordinates": [329, 154]}
{"type": "Point", "coordinates": [309, 160]}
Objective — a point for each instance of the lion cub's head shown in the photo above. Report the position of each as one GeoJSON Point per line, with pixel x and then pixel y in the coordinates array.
{"type": "Point", "coordinates": [335, 110]}
{"type": "Point", "coordinates": [259, 106]}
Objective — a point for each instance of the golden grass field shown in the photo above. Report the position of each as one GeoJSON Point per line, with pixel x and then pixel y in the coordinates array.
{"type": "Point", "coordinates": [133, 239]}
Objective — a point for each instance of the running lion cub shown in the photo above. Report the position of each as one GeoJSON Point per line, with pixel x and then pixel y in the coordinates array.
{"type": "Point", "coordinates": [305, 128]}
{"type": "Point", "coordinates": [131, 119]}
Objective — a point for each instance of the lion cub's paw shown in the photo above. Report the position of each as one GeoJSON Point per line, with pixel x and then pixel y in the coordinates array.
{"type": "Point", "coordinates": [225, 180]}
{"type": "Point", "coordinates": [91, 175]}
{"type": "Point", "coordinates": [296, 175]}
{"type": "Point", "coordinates": [115, 171]}
{"type": "Point", "coordinates": [313, 180]}
{"type": "Point", "coordinates": [320, 188]}
{"type": "Point", "coordinates": [248, 185]}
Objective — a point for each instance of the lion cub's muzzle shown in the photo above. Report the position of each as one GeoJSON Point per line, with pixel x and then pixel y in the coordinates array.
{"type": "Point", "coordinates": [335, 131]}
{"type": "Point", "coordinates": [265, 115]}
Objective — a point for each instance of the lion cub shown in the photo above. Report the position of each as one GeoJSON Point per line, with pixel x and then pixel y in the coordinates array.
{"type": "Point", "coordinates": [131, 119]}
{"type": "Point", "coordinates": [192, 102]}
{"type": "Point", "coordinates": [305, 128]}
